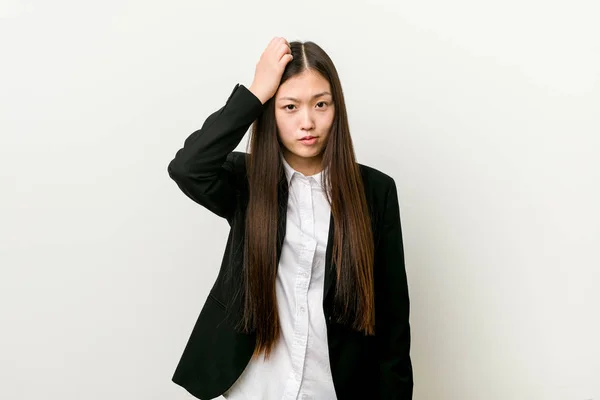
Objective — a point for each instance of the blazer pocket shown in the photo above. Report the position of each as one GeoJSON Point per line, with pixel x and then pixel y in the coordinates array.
{"type": "Point", "coordinates": [216, 300]}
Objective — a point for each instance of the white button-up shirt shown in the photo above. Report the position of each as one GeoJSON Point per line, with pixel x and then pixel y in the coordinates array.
{"type": "Point", "coordinates": [298, 367]}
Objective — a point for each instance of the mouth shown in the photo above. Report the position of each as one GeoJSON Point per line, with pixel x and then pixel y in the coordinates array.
{"type": "Point", "coordinates": [308, 140]}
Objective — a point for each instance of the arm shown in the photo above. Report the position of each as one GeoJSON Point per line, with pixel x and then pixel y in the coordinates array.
{"type": "Point", "coordinates": [204, 168]}
{"type": "Point", "coordinates": [392, 328]}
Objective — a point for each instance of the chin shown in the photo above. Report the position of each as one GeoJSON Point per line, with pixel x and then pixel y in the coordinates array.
{"type": "Point", "coordinates": [311, 152]}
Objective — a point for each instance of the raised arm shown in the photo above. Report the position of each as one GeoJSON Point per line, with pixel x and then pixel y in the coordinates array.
{"type": "Point", "coordinates": [204, 168]}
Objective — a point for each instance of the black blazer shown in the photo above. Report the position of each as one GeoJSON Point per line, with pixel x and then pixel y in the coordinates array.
{"type": "Point", "coordinates": [209, 172]}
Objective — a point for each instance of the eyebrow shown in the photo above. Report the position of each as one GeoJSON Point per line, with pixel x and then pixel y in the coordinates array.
{"type": "Point", "coordinates": [314, 97]}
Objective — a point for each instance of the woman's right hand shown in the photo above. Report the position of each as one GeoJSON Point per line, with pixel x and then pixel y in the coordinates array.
{"type": "Point", "coordinates": [269, 69]}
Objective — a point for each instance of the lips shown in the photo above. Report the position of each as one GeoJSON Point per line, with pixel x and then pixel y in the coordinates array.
{"type": "Point", "coordinates": [307, 137]}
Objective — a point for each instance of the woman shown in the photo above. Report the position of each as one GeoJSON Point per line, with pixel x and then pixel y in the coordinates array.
{"type": "Point", "coordinates": [311, 300]}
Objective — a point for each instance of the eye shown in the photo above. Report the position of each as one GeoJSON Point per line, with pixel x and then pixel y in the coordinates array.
{"type": "Point", "coordinates": [289, 105]}
{"type": "Point", "coordinates": [322, 102]}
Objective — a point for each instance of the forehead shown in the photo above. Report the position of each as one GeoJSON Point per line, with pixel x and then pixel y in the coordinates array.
{"type": "Point", "coordinates": [303, 86]}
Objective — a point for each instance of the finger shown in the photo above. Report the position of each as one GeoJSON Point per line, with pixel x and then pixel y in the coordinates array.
{"type": "Point", "coordinates": [284, 41]}
{"type": "Point", "coordinates": [284, 49]}
{"type": "Point", "coordinates": [274, 45]}
{"type": "Point", "coordinates": [273, 42]}
{"type": "Point", "coordinates": [285, 59]}
{"type": "Point", "coordinates": [280, 55]}
{"type": "Point", "coordinates": [277, 41]}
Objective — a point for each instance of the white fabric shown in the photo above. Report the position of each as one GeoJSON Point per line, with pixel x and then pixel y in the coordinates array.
{"type": "Point", "coordinates": [298, 367]}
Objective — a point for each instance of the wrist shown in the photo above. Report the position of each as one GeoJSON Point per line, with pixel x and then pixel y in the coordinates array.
{"type": "Point", "coordinates": [258, 94]}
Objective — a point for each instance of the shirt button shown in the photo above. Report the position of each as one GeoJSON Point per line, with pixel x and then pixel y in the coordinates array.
{"type": "Point", "coordinates": [302, 309]}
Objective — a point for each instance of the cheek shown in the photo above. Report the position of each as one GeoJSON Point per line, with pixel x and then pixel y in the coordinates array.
{"type": "Point", "coordinates": [326, 122]}
{"type": "Point", "coordinates": [285, 137]}
{"type": "Point", "coordinates": [286, 129]}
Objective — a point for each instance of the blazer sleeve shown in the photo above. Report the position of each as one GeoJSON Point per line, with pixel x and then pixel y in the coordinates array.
{"type": "Point", "coordinates": [392, 327]}
{"type": "Point", "coordinates": [204, 168]}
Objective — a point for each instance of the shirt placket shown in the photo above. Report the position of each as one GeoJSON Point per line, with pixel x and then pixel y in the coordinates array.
{"type": "Point", "coordinates": [306, 221]}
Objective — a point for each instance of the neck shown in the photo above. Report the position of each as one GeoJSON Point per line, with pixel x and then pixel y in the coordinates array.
{"type": "Point", "coordinates": [307, 166]}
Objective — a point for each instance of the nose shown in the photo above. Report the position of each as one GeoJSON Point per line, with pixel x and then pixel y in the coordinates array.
{"type": "Point", "coordinates": [306, 121]}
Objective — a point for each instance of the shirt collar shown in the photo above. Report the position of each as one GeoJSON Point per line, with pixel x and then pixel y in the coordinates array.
{"type": "Point", "coordinates": [290, 172]}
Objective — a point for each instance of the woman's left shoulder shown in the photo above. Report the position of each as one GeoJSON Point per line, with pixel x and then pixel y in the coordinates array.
{"type": "Point", "coordinates": [375, 179]}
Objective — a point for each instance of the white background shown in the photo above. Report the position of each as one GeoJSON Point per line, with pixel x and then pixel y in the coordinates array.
{"type": "Point", "coordinates": [487, 115]}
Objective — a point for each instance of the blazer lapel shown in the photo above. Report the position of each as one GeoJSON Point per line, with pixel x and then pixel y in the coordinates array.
{"type": "Point", "coordinates": [282, 199]}
{"type": "Point", "coordinates": [330, 270]}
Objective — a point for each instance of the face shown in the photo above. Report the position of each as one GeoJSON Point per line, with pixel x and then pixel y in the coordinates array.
{"type": "Point", "coordinates": [304, 107]}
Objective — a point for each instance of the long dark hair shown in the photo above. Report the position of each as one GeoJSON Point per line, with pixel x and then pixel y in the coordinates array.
{"type": "Point", "coordinates": [353, 247]}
